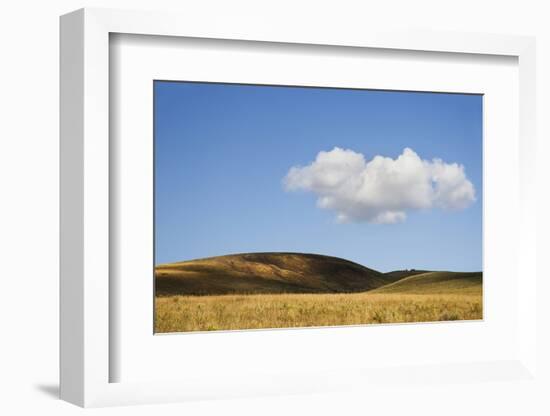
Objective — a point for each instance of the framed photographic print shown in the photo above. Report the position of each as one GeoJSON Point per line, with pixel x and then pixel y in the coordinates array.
{"type": "Point", "coordinates": [233, 166]}
{"type": "Point", "coordinates": [297, 199]}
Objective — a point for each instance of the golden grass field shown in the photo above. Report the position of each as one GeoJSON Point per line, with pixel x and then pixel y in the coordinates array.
{"type": "Point", "coordinates": [225, 312]}
{"type": "Point", "coordinates": [229, 293]}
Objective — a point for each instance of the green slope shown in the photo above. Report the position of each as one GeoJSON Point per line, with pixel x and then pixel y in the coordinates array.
{"type": "Point", "coordinates": [436, 282]}
{"type": "Point", "coordinates": [401, 274]}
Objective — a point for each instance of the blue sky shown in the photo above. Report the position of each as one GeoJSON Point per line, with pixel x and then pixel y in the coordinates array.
{"type": "Point", "coordinates": [222, 153]}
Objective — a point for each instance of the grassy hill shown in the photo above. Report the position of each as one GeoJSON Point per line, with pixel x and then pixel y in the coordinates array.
{"type": "Point", "coordinates": [436, 282]}
{"type": "Point", "coordinates": [257, 273]}
{"type": "Point", "coordinates": [400, 274]}
{"type": "Point", "coordinates": [281, 290]}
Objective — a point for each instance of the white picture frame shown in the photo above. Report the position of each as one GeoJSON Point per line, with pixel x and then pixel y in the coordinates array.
{"type": "Point", "coordinates": [86, 353]}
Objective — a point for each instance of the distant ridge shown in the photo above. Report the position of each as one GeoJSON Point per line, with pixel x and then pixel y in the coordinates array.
{"type": "Point", "coordinates": [271, 273]}
{"type": "Point", "coordinates": [401, 274]}
{"type": "Point", "coordinates": [266, 273]}
{"type": "Point", "coordinates": [436, 282]}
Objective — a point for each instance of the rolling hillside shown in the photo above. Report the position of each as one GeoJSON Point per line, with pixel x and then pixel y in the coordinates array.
{"type": "Point", "coordinates": [400, 274]}
{"type": "Point", "coordinates": [436, 282]}
{"type": "Point", "coordinates": [257, 273]}
{"type": "Point", "coordinates": [305, 290]}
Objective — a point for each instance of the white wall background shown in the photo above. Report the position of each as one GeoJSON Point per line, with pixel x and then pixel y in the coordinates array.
{"type": "Point", "coordinates": [29, 197]}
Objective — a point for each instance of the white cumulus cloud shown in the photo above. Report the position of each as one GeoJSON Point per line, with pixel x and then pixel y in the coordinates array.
{"type": "Point", "coordinates": [381, 190]}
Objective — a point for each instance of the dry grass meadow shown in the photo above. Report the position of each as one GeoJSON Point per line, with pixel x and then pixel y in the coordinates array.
{"type": "Point", "coordinates": [229, 293]}
{"type": "Point", "coordinates": [226, 312]}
